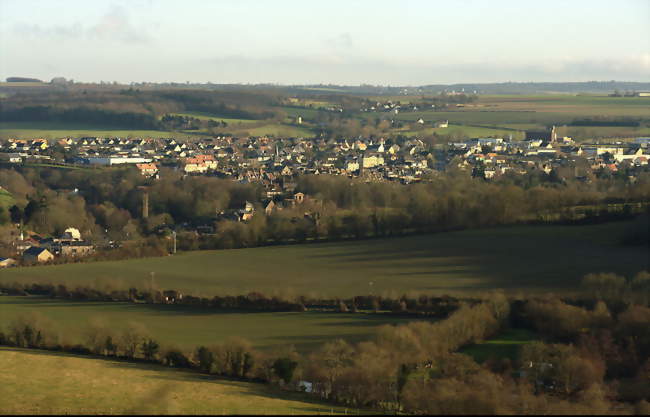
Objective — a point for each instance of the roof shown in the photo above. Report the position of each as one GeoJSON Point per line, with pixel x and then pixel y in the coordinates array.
{"type": "Point", "coordinates": [143, 167]}
{"type": "Point", "coordinates": [35, 251]}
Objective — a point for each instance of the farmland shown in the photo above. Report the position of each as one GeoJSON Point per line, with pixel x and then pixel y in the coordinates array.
{"type": "Point", "coordinates": [536, 112]}
{"type": "Point", "coordinates": [50, 383]}
{"type": "Point", "coordinates": [53, 130]}
{"type": "Point", "coordinates": [490, 115]}
{"type": "Point", "coordinates": [530, 258]}
{"type": "Point", "coordinates": [189, 327]}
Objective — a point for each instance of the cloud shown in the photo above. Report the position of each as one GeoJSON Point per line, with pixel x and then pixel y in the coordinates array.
{"type": "Point", "coordinates": [114, 25]}
{"type": "Point", "coordinates": [341, 41]}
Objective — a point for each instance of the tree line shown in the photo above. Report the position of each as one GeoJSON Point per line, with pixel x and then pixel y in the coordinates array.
{"type": "Point", "coordinates": [421, 306]}
{"type": "Point", "coordinates": [588, 359]}
{"type": "Point", "coordinates": [107, 206]}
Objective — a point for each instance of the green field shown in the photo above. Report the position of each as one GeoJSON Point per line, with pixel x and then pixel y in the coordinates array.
{"type": "Point", "coordinates": [189, 327]}
{"type": "Point", "coordinates": [257, 127]}
{"type": "Point", "coordinates": [533, 111]}
{"type": "Point", "coordinates": [506, 345]}
{"type": "Point", "coordinates": [6, 199]}
{"type": "Point", "coordinates": [531, 258]}
{"type": "Point", "coordinates": [36, 382]}
{"type": "Point", "coordinates": [217, 118]}
{"type": "Point", "coordinates": [470, 131]}
{"type": "Point", "coordinates": [51, 130]}
{"type": "Point", "coordinates": [280, 129]}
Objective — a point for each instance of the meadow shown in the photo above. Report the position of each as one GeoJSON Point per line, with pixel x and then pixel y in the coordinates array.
{"type": "Point", "coordinates": [6, 199]}
{"type": "Point", "coordinates": [36, 382]}
{"type": "Point", "coordinates": [52, 130]}
{"type": "Point", "coordinates": [506, 345]}
{"type": "Point", "coordinates": [529, 258]}
{"type": "Point", "coordinates": [469, 131]}
{"type": "Point", "coordinates": [189, 327]}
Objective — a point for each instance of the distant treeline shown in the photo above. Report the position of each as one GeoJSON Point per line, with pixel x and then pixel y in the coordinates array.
{"type": "Point", "coordinates": [623, 122]}
{"type": "Point", "coordinates": [421, 306]}
{"type": "Point", "coordinates": [23, 80]}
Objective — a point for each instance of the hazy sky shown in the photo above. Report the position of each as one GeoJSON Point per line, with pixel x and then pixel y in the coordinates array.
{"type": "Point", "coordinates": [330, 41]}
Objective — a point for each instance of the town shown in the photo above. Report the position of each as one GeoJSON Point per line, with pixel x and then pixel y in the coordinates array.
{"type": "Point", "coordinates": [275, 163]}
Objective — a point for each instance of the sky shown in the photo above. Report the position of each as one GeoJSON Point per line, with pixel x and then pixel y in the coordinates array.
{"type": "Point", "coordinates": [379, 42]}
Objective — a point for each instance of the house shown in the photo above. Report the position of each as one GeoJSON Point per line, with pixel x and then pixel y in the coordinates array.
{"type": "Point", "coordinates": [543, 135]}
{"type": "Point", "coordinates": [147, 170]}
{"type": "Point", "coordinates": [194, 165]}
{"type": "Point", "coordinates": [36, 254]}
{"type": "Point", "coordinates": [442, 124]}
{"type": "Point", "coordinates": [247, 212]}
{"type": "Point", "coordinates": [7, 262]}
{"type": "Point", "coordinates": [76, 248]}
{"type": "Point", "coordinates": [269, 208]}
{"type": "Point", "coordinates": [351, 165]}
{"type": "Point", "coordinates": [371, 161]}
{"type": "Point", "coordinates": [13, 158]}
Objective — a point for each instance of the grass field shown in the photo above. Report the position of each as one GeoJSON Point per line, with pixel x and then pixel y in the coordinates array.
{"type": "Point", "coordinates": [504, 110]}
{"type": "Point", "coordinates": [217, 118]}
{"type": "Point", "coordinates": [531, 258]}
{"type": "Point", "coordinates": [6, 199]}
{"type": "Point", "coordinates": [50, 130]}
{"type": "Point", "coordinates": [257, 127]}
{"type": "Point", "coordinates": [470, 131]}
{"type": "Point", "coordinates": [189, 327]}
{"type": "Point", "coordinates": [506, 345]}
{"type": "Point", "coordinates": [33, 382]}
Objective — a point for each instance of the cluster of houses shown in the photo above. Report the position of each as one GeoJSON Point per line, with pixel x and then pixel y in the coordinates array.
{"type": "Point", "coordinates": [545, 151]}
{"type": "Point", "coordinates": [274, 162]}
{"type": "Point", "coordinates": [35, 249]}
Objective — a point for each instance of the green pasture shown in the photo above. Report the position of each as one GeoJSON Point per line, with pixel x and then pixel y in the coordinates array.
{"type": "Point", "coordinates": [38, 382]}
{"type": "Point", "coordinates": [280, 129]}
{"type": "Point", "coordinates": [217, 118]}
{"type": "Point", "coordinates": [461, 130]}
{"type": "Point", "coordinates": [504, 346]}
{"type": "Point", "coordinates": [6, 199]}
{"type": "Point", "coordinates": [306, 113]}
{"type": "Point", "coordinates": [52, 130]}
{"type": "Point", "coordinates": [189, 327]}
{"type": "Point", "coordinates": [258, 127]}
{"type": "Point", "coordinates": [531, 258]}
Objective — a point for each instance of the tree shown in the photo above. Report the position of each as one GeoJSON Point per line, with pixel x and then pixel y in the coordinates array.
{"type": "Point", "coordinates": [284, 369]}
{"type": "Point", "coordinates": [205, 359]}
{"type": "Point", "coordinates": [17, 214]}
{"type": "Point", "coordinates": [150, 349]}
{"type": "Point", "coordinates": [131, 337]}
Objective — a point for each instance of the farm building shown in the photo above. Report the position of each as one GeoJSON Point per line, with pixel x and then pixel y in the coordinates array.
{"type": "Point", "coordinates": [36, 254]}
